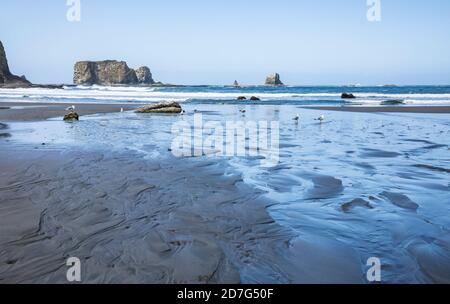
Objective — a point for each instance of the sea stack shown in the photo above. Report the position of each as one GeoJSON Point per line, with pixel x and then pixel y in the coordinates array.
{"type": "Point", "coordinates": [6, 78]}
{"type": "Point", "coordinates": [110, 72]}
{"type": "Point", "coordinates": [144, 76]}
{"type": "Point", "coordinates": [274, 80]}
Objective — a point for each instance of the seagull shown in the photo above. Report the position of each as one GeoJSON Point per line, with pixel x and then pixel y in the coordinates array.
{"type": "Point", "coordinates": [242, 111]}
{"type": "Point", "coordinates": [321, 118]}
{"type": "Point", "coordinates": [71, 108]}
{"type": "Point", "coordinates": [121, 110]}
{"type": "Point", "coordinates": [297, 118]}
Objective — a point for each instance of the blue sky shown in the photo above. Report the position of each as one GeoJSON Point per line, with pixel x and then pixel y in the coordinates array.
{"type": "Point", "coordinates": [215, 42]}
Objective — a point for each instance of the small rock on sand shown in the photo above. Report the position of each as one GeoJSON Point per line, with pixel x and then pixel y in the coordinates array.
{"type": "Point", "coordinates": [358, 202]}
{"type": "Point", "coordinates": [71, 117]}
{"type": "Point", "coordinates": [400, 200]}
{"type": "Point", "coordinates": [163, 107]}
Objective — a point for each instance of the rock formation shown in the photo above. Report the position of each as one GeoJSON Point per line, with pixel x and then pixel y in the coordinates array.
{"type": "Point", "coordinates": [6, 78]}
{"type": "Point", "coordinates": [163, 107]}
{"type": "Point", "coordinates": [347, 96]}
{"type": "Point", "coordinates": [72, 116]}
{"type": "Point", "coordinates": [274, 80]}
{"type": "Point", "coordinates": [110, 72]}
{"type": "Point", "coordinates": [144, 76]}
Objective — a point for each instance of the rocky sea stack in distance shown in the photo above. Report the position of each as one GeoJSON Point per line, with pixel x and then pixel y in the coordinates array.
{"type": "Point", "coordinates": [274, 80]}
{"type": "Point", "coordinates": [6, 78]}
{"type": "Point", "coordinates": [110, 72]}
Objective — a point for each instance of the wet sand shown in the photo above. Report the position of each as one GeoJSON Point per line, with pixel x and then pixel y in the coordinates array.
{"type": "Point", "coordinates": [21, 111]}
{"type": "Point", "coordinates": [387, 109]}
{"type": "Point", "coordinates": [131, 219]}
{"type": "Point", "coordinates": [136, 221]}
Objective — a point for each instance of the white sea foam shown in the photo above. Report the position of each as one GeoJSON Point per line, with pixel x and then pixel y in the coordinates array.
{"type": "Point", "coordinates": [149, 94]}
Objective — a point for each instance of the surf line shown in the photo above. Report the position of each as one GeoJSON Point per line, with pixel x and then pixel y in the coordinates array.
{"type": "Point", "coordinates": [194, 295]}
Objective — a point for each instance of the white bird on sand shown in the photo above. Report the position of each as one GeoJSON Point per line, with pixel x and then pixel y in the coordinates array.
{"type": "Point", "coordinates": [71, 108]}
{"type": "Point", "coordinates": [121, 110]}
{"type": "Point", "coordinates": [321, 118]}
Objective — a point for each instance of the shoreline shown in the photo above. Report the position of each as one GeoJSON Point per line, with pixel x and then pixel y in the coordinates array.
{"type": "Point", "coordinates": [34, 111]}
{"type": "Point", "coordinates": [386, 109]}
{"type": "Point", "coordinates": [21, 111]}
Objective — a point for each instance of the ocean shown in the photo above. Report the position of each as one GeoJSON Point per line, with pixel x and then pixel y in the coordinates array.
{"type": "Point", "coordinates": [295, 95]}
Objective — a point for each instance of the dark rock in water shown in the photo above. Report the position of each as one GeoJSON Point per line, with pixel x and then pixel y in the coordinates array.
{"type": "Point", "coordinates": [392, 102]}
{"type": "Point", "coordinates": [5, 135]}
{"type": "Point", "coordinates": [144, 76]}
{"type": "Point", "coordinates": [7, 79]}
{"type": "Point", "coordinates": [400, 200]}
{"type": "Point", "coordinates": [274, 80]}
{"type": "Point", "coordinates": [236, 84]}
{"type": "Point", "coordinates": [3, 126]}
{"type": "Point", "coordinates": [5, 108]}
{"type": "Point", "coordinates": [170, 107]}
{"type": "Point", "coordinates": [254, 98]}
{"type": "Point", "coordinates": [71, 117]}
{"type": "Point", "coordinates": [347, 96]}
{"type": "Point", "coordinates": [359, 202]}
{"type": "Point", "coordinates": [110, 72]}
{"type": "Point", "coordinates": [242, 98]}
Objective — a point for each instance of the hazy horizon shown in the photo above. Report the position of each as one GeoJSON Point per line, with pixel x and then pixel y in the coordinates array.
{"type": "Point", "coordinates": [306, 42]}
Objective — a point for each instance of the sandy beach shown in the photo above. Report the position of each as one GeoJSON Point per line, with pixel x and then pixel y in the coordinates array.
{"type": "Point", "coordinates": [131, 218]}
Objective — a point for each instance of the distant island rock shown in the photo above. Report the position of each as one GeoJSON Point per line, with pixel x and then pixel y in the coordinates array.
{"type": "Point", "coordinates": [7, 79]}
{"type": "Point", "coordinates": [274, 80]}
{"type": "Point", "coordinates": [110, 72]}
